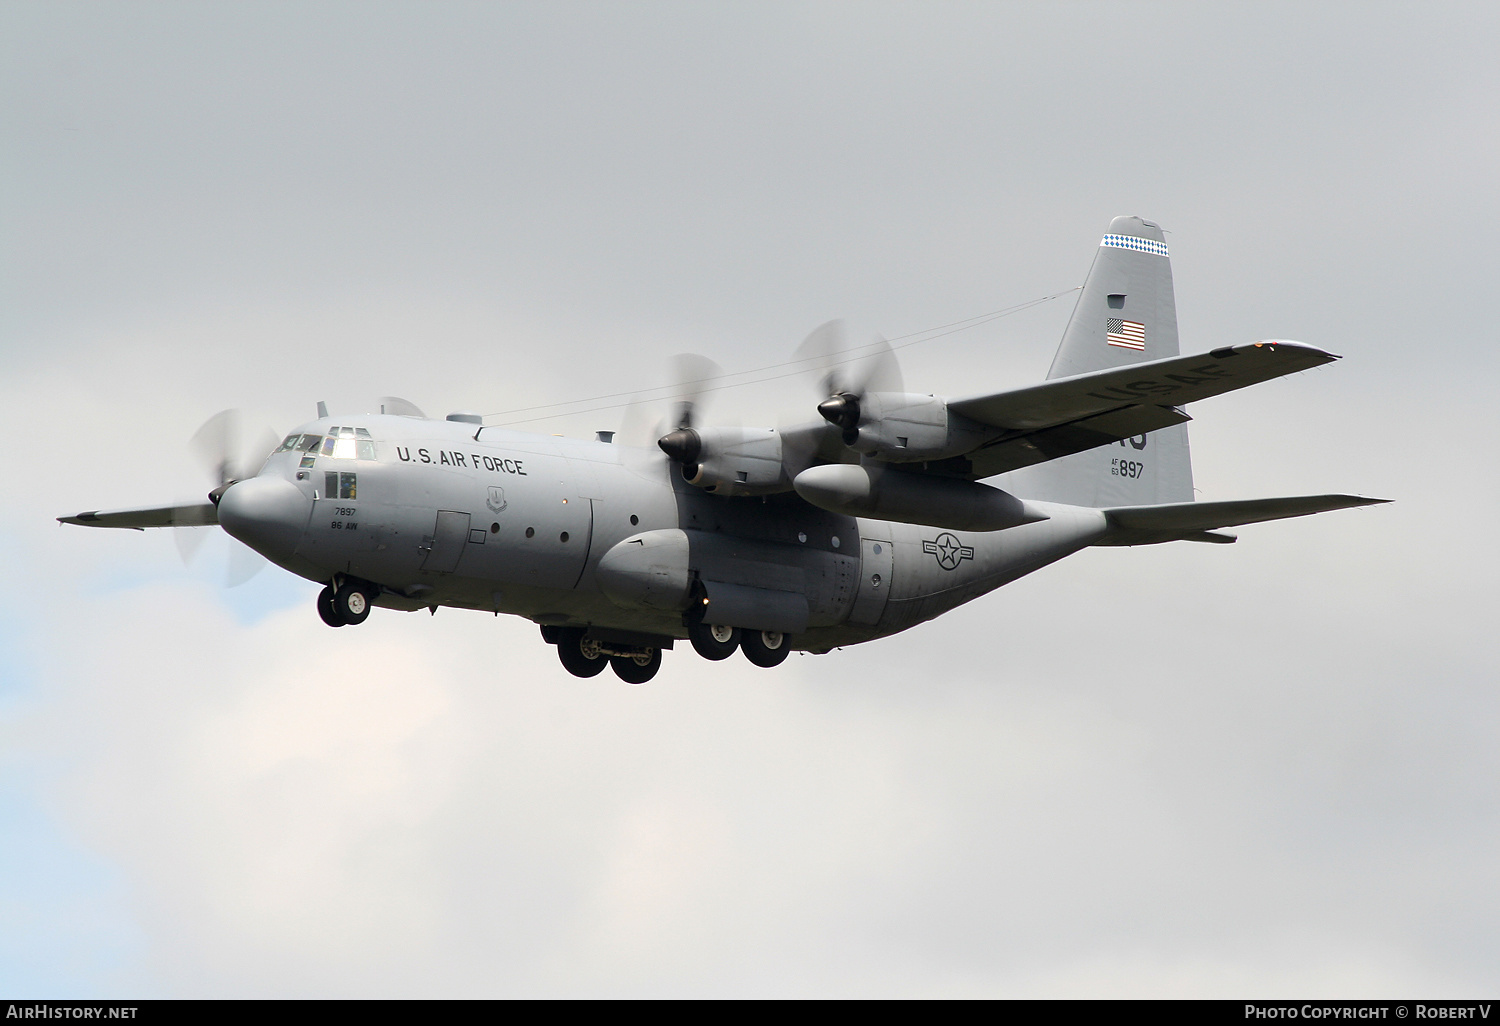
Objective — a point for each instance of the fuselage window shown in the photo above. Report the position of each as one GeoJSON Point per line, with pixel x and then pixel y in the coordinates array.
{"type": "Point", "coordinates": [346, 486]}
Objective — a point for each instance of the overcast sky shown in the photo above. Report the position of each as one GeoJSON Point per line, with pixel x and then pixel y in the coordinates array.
{"type": "Point", "coordinates": [1182, 770]}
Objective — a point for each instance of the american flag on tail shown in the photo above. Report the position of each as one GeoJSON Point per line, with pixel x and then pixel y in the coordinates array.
{"type": "Point", "coordinates": [1125, 334]}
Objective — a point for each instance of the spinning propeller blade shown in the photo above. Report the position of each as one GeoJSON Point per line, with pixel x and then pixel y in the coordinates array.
{"type": "Point", "coordinates": [218, 447]}
{"type": "Point", "coordinates": [846, 373]}
{"type": "Point", "coordinates": [693, 375]}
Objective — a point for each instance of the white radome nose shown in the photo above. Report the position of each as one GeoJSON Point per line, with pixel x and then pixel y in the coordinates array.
{"type": "Point", "coordinates": [268, 514]}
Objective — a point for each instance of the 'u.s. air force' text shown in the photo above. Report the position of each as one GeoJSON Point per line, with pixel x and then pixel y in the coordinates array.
{"type": "Point", "coordinates": [454, 458]}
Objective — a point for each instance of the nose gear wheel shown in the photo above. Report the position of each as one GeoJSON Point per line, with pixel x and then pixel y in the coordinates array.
{"type": "Point", "coordinates": [325, 608]}
{"type": "Point", "coordinates": [352, 602]}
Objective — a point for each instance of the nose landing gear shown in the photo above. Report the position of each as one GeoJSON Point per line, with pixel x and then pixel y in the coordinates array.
{"type": "Point", "coordinates": [346, 605]}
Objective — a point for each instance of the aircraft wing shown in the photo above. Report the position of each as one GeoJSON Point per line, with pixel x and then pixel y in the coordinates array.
{"type": "Point", "coordinates": [1200, 521]}
{"type": "Point", "coordinates": [199, 514]}
{"type": "Point", "coordinates": [1067, 415]}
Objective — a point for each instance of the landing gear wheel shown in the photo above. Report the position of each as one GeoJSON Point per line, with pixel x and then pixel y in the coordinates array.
{"type": "Point", "coordinates": [637, 669]}
{"type": "Point", "coordinates": [325, 608]}
{"type": "Point", "coordinates": [352, 603]}
{"type": "Point", "coordinates": [714, 641]}
{"type": "Point", "coordinates": [580, 658]}
{"type": "Point", "coordinates": [765, 648]}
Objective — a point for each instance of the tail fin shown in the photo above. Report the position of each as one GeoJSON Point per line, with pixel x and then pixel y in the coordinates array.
{"type": "Point", "coordinates": [1126, 314]}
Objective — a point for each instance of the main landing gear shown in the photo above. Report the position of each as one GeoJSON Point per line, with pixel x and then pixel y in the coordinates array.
{"type": "Point", "coordinates": [712, 641]}
{"type": "Point", "coordinates": [587, 657]}
{"type": "Point", "coordinates": [765, 648]}
{"type": "Point", "coordinates": [583, 656]}
{"type": "Point", "coordinates": [347, 604]}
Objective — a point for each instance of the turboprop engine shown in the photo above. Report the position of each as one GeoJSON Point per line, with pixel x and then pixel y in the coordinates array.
{"type": "Point", "coordinates": [729, 460]}
{"type": "Point", "coordinates": [902, 427]}
{"type": "Point", "coordinates": [889, 494]}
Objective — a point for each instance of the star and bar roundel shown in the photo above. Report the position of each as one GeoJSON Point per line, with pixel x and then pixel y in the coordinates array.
{"type": "Point", "coordinates": [948, 549]}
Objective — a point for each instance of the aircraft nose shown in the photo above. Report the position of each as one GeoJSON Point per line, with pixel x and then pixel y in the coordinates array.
{"type": "Point", "coordinates": [268, 514]}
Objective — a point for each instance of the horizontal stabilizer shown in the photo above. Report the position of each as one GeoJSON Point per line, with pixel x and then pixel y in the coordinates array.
{"type": "Point", "coordinates": [1192, 521]}
{"type": "Point", "coordinates": [199, 514]}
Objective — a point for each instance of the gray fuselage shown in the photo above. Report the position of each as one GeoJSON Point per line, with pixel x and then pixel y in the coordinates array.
{"type": "Point", "coordinates": [443, 513]}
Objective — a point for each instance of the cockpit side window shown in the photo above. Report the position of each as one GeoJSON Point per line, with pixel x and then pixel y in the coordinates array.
{"type": "Point", "coordinates": [340, 485]}
{"type": "Point", "coordinates": [309, 443]}
{"type": "Point", "coordinates": [290, 443]}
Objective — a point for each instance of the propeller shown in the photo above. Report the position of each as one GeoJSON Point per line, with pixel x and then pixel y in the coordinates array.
{"type": "Point", "coordinates": [846, 373]}
{"type": "Point", "coordinates": [218, 446]}
{"type": "Point", "coordinates": [693, 375]}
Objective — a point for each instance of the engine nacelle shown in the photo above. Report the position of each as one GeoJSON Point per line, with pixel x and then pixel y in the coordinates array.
{"type": "Point", "coordinates": [737, 461]}
{"type": "Point", "coordinates": [889, 494]}
{"type": "Point", "coordinates": [903, 427]}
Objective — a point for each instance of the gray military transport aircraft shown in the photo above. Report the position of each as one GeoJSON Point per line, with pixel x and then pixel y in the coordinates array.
{"type": "Point", "coordinates": [856, 525]}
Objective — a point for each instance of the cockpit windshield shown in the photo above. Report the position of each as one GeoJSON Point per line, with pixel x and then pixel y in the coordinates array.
{"type": "Point", "coordinates": [341, 443]}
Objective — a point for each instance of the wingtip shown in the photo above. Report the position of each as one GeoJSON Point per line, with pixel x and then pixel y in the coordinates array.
{"type": "Point", "coordinates": [1277, 343]}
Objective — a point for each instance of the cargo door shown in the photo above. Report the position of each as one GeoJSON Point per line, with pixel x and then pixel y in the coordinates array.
{"type": "Point", "coordinates": [875, 564]}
